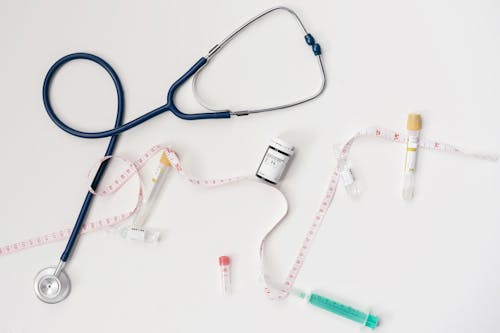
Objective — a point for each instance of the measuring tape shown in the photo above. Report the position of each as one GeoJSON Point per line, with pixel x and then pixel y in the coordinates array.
{"type": "Point", "coordinates": [389, 135]}
{"type": "Point", "coordinates": [115, 185]}
{"type": "Point", "coordinates": [270, 287]}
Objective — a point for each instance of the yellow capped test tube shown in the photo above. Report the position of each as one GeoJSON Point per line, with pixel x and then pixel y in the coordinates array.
{"type": "Point", "coordinates": [413, 126]}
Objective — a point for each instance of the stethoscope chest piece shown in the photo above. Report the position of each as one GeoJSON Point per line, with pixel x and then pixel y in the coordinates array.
{"type": "Point", "coordinates": [52, 288]}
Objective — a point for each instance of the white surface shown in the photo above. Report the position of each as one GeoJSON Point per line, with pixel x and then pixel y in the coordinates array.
{"type": "Point", "coordinates": [426, 266]}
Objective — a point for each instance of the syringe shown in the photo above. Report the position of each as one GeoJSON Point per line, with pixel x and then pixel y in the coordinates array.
{"type": "Point", "coordinates": [158, 180]}
{"type": "Point", "coordinates": [363, 318]}
{"type": "Point", "coordinates": [135, 231]}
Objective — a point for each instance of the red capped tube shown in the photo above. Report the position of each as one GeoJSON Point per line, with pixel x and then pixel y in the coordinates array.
{"type": "Point", "coordinates": [225, 271]}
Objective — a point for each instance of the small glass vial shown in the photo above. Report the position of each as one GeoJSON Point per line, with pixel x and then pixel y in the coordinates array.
{"type": "Point", "coordinates": [275, 160]}
{"type": "Point", "coordinates": [225, 274]}
{"type": "Point", "coordinates": [351, 184]}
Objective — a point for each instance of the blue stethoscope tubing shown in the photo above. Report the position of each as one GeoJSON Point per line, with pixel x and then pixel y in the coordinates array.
{"type": "Point", "coordinates": [52, 284]}
{"type": "Point", "coordinates": [118, 127]}
{"type": "Point", "coordinates": [169, 106]}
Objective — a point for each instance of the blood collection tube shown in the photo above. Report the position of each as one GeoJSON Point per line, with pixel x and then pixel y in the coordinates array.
{"type": "Point", "coordinates": [413, 126]}
{"type": "Point", "coordinates": [225, 274]}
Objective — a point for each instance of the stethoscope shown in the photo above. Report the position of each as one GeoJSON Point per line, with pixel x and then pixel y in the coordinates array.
{"type": "Point", "coordinates": [52, 284]}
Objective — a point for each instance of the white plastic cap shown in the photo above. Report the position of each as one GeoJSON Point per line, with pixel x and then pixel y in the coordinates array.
{"type": "Point", "coordinates": [282, 145]}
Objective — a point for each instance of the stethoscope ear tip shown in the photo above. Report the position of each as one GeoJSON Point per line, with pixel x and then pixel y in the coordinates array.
{"type": "Point", "coordinates": [51, 288]}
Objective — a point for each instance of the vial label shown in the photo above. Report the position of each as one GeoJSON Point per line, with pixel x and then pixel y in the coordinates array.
{"type": "Point", "coordinates": [136, 234]}
{"type": "Point", "coordinates": [411, 155]}
{"type": "Point", "coordinates": [272, 165]}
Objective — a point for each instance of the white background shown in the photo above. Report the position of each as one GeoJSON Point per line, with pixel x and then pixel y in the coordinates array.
{"type": "Point", "coordinates": [430, 265]}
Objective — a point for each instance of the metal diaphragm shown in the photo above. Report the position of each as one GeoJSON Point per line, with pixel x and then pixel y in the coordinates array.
{"type": "Point", "coordinates": [50, 288]}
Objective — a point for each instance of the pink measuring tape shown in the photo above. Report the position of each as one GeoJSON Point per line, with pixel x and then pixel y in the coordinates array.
{"type": "Point", "coordinates": [273, 293]}
{"type": "Point", "coordinates": [327, 198]}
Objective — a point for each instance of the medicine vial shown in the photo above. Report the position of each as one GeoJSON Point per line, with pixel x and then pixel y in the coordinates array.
{"type": "Point", "coordinates": [275, 160]}
{"type": "Point", "coordinates": [350, 183]}
{"type": "Point", "coordinates": [225, 274]}
{"type": "Point", "coordinates": [345, 170]}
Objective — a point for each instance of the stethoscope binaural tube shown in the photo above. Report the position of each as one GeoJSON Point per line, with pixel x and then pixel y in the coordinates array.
{"type": "Point", "coordinates": [169, 106]}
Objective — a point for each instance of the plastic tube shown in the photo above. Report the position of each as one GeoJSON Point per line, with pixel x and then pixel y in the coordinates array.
{"type": "Point", "coordinates": [413, 126]}
{"type": "Point", "coordinates": [225, 274]}
{"type": "Point", "coordinates": [136, 231]}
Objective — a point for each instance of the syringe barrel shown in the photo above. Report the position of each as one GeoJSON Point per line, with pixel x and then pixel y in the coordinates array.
{"type": "Point", "coordinates": [158, 180]}
{"type": "Point", "coordinates": [363, 318]}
